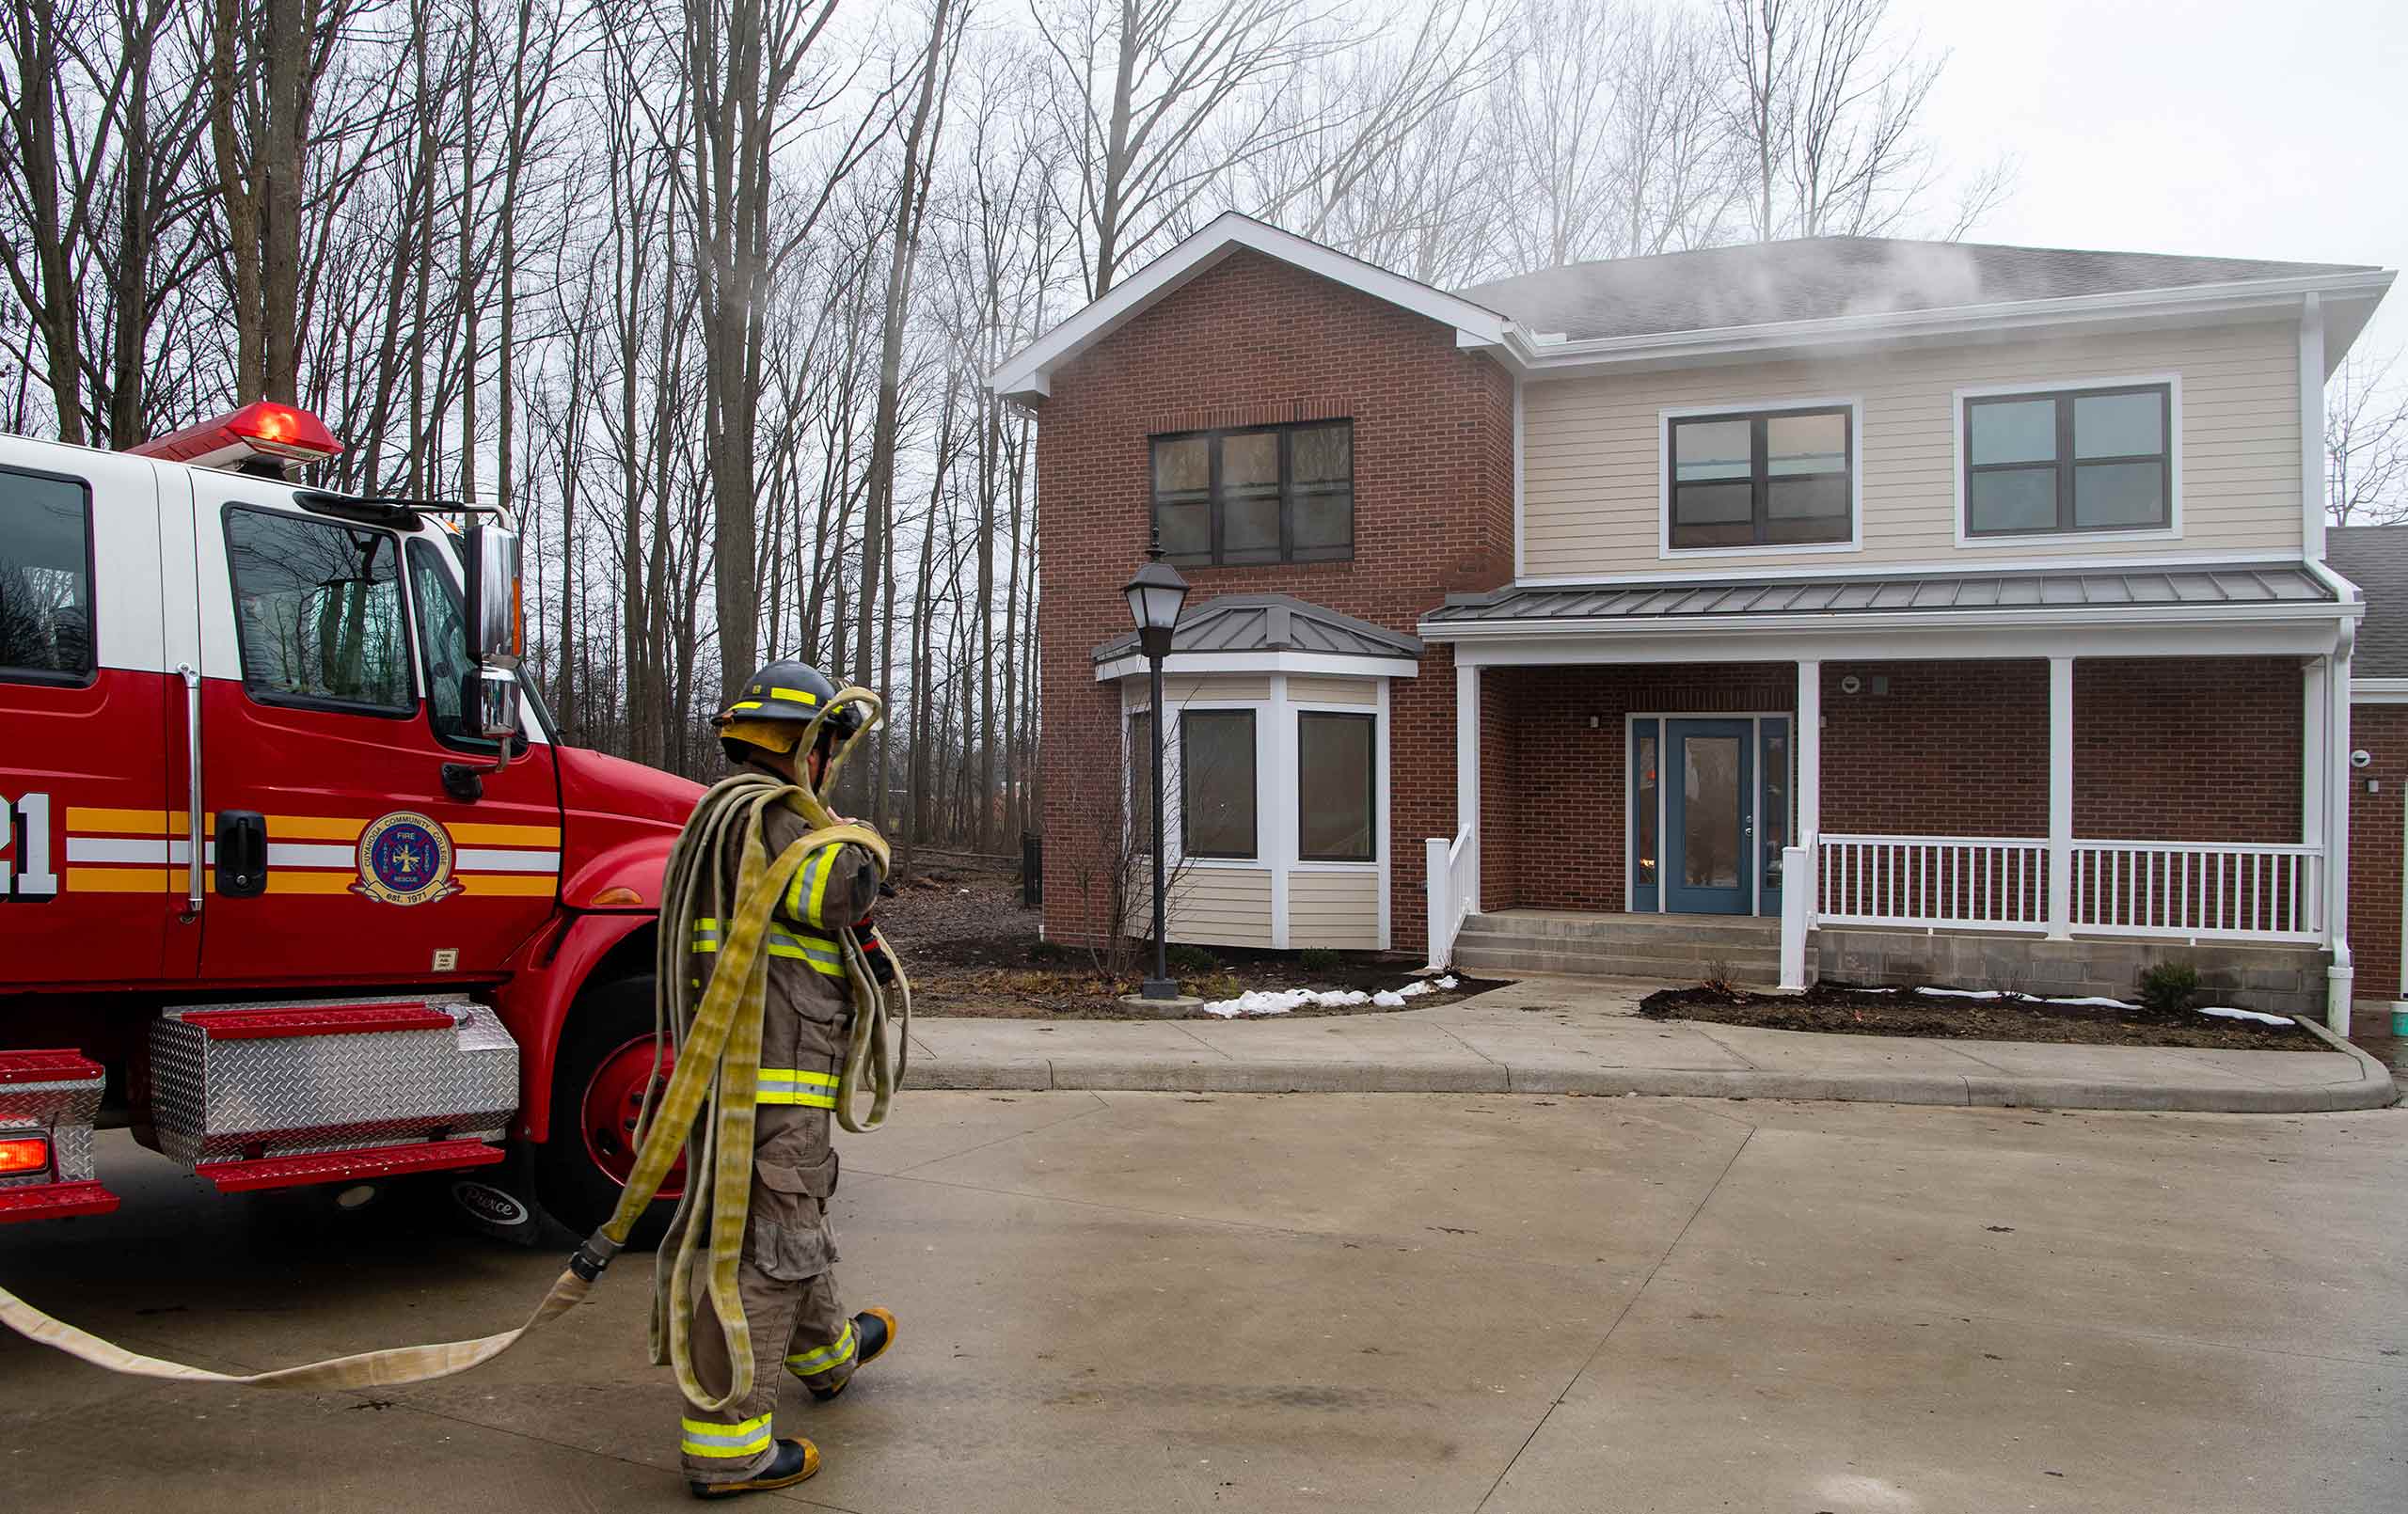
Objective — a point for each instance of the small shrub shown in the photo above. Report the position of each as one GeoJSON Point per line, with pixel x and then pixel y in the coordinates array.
{"type": "Point", "coordinates": [1047, 952]}
{"type": "Point", "coordinates": [1717, 975]}
{"type": "Point", "coordinates": [1184, 958]}
{"type": "Point", "coordinates": [1316, 959]}
{"type": "Point", "coordinates": [2170, 987]}
{"type": "Point", "coordinates": [1218, 987]}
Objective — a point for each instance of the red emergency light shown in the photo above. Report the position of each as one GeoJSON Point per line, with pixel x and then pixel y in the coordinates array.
{"type": "Point", "coordinates": [261, 430]}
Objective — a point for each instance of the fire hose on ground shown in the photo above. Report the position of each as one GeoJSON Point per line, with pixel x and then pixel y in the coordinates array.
{"type": "Point", "coordinates": [704, 1111]}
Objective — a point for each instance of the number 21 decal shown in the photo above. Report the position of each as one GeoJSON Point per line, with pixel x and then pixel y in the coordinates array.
{"type": "Point", "coordinates": [25, 872]}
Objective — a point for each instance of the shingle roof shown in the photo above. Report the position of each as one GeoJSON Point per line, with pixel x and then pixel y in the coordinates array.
{"type": "Point", "coordinates": [2375, 557]}
{"type": "Point", "coordinates": [1272, 623]}
{"type": "Point", "coordinates": [2258, 584]}
{"type": "Point", "coordinates": [1819, 277]}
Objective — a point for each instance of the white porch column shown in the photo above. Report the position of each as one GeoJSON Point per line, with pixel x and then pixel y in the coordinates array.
{"type": "Point", "coordinates": [1800, 875]}
{"type": "Point", "coordinates": [1467, 778]}
{"type": "Point", "coordinates": [2315, 716]}
{"type": "Point", "coordinates": [2060, 798]}
{"type": "Point", "coordinates": [2337, 785]}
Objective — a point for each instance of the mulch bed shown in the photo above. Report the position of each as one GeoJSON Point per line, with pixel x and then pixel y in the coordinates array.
{"type": "Point", "coordinates": [1910, 1012]}
{"type": "Point", "coordinates": [972, 949]}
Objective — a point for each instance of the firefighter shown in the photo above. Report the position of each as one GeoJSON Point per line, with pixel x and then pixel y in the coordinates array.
{"type": "Point", "coordinates": [787, 1278]}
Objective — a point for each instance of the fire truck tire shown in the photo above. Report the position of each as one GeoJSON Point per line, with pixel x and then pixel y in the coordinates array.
{"type": "Point", "coordinates": [598, 1082]}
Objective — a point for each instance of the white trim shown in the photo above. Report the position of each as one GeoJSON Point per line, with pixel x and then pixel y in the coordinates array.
{"type": "Point", "coordinates": [2377, 691]}
{"type": "Point", "coordinates": [2171, 531]}
{"type": "Point", "coordinates": [1382, 845]}
{"type": "Point", "coordinates": [1840, 643]}
{"type": "Point", "coordinates": [1318, 664]}
{"type": "Point", "coordinates": [2338, 793]}
{"type": "Point", "coordinates": [2313, 707]}
{"type": "Point", "coordinates": [2311, 428]}
{"type": "Point", "coordinates": [1466, 633]}
{"type": "Point", "coordinates": [1028, 374]}
{"type": "Point", "coordinates": [1742, 409]}
{"type": "Point", "coordinates": [1277, 827]}
{"type": "Point", "coordinates": [1519, 534]}
{"type": "Point", "coordinates": [1771, 339]}
{"type": "Point", "coordinates": [2060, 798]}
{"type": "Point", "coordinates": [1952, 567]}
{"type": "Point", "coordinates": [1468, 768]}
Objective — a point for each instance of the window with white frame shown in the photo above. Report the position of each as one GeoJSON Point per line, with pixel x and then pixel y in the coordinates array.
{"type": "Point", "coordinates": [1766, 478]}
{"type": "Point", "coordinates": [2069, 460]}
{"type": "Point", "coordinates": [1336, 808]}
{"type": "Point", "coordinates": [1216, 791]}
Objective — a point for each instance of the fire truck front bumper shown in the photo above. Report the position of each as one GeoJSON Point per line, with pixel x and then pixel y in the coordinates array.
{"type": "Point", "coordinates": [292, 1093]}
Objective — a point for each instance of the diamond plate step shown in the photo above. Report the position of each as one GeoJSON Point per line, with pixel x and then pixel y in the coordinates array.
{"type": "Point", "coordinates": [341, 1166]}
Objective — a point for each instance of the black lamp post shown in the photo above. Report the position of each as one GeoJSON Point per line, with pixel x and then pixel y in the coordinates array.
{"type": "Point", "coordinates": [1156, 595]}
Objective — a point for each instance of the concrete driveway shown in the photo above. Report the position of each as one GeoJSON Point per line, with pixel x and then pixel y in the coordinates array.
{"type": "Point", "coordinates": [1140, 1302]}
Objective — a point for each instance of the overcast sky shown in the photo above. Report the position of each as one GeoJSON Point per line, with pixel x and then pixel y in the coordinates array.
{"type": "Point", "coordinates": [2250, 130]}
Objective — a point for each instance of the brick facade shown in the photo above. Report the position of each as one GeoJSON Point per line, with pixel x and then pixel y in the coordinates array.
{"type": "Point", "coordinates": [2376, 843]}
{"type": "Point", "coordinates": [1254, 340]}
{"type": "Point", "coordinates": [2165, 749]}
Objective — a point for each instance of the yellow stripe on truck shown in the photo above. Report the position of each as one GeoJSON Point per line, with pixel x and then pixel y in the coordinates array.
{"type": "Point", "coordinates": [121, 822]}
{"type": "Point", "coordinates": [546, 837]}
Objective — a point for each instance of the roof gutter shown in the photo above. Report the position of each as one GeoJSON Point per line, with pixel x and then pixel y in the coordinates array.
{"type": "Point", "coordinates": [2083, 615]}
{"type": "Point", "coordinates": [2274, 295]}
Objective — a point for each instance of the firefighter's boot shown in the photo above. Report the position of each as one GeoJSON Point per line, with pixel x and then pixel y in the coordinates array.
{"type": "Point", "coordinates": [873, 1333]}
{"type": "Point", "coordinates": [794, 1461]}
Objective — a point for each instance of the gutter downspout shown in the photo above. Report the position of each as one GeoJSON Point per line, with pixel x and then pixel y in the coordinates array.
{"type": "Point", "coordinates": [2337, 831]}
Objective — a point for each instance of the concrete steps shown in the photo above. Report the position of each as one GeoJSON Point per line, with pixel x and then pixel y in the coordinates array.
{"type": "Point", "coordinates": [1673, 948]}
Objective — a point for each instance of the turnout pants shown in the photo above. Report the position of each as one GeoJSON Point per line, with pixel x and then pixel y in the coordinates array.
{"type": "Point", "coordinates": [788, 1285]}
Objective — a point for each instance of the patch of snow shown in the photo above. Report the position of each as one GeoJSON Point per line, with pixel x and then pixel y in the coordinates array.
{"type": "Point", "coordinates": [1993, 993]}
{"type": "Point", "coordinates": [2231, 1013]}
{"type": "Point", "coordinates": [1283, 1000]}
{"type": "Point", "coordinates": [1962, 993]}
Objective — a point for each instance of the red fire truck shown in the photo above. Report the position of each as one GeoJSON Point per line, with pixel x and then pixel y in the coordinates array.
{"type": "Point", "coordinates": [296, 878]}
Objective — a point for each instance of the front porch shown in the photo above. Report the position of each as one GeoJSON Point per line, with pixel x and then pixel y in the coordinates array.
{"type": "Point", "coordinates": [2009, 808]}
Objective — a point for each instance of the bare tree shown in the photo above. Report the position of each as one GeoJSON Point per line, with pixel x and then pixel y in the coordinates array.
{"type": "Point", "coordinates": [2365, 443]}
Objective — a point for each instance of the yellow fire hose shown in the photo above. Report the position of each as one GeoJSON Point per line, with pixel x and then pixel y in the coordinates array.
{"type": "Point", "coordinates": [717, 1049]}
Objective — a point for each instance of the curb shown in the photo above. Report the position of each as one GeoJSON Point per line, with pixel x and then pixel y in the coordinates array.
{"type": "Point", "coordinates": [2372, 1089]}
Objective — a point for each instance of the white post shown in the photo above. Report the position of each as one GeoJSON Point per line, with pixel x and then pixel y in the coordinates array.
{"type": "Point", "coordinates": [1442, 904]}
{"type": "Point", "coordinates": [2337, 834]}
{"type": "Point", "coordinates": [2060, 799]}
{"type": "Point", "coordinates": [1467, 779]}
{"type": "Point", "coordinates": [1802, 880]}
{"type": "Point", "coordinates": [2315, 716]}
{"type": "Point", "coordinates": [2311, 428]}
{"type": "Point", "coordinates": [1797, 901]}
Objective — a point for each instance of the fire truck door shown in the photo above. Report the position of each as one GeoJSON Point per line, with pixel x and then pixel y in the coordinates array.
{"type": "Point", "coordinates": [88, 708]}
{"type": "Point", "coordinates": [335, 653]}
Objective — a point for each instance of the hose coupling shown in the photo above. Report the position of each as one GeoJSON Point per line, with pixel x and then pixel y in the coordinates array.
{"type": "Point", "coordinates": [589, 1260]}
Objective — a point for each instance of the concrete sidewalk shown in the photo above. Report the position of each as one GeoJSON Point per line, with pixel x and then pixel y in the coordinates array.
{"type": "Point", "coordinates": [1584, 1035]}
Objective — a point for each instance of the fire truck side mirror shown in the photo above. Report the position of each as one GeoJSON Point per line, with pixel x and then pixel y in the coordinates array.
{"type": "Point", "coordinates": [496, 628]}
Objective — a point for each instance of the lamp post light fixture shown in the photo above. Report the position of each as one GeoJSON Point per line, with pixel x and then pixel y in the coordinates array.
{"type": "Point", "coordinates": [1156, 595]}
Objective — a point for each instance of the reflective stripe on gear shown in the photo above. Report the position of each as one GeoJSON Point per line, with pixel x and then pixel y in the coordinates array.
{"type": "Point", "coordinates": [828, 1358]}
{"type": "Point", "coordinates": [793, 1085]}
{"type": "Point", "coordinates": [807, 896]}
{"type": "Point", "coordinates": [706, 1439]}
{"type": "Point", "coordinates": [821, 952]}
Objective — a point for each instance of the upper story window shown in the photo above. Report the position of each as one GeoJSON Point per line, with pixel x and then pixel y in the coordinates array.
{"type": "Point", "coordinates": [45, 580]}
{"type": "Point", "coordinates": [1767, 478]}
{"type": "Point", "coordinates": [1273, 494]}
{"type": "Point", "coordinates": [2069, 460]}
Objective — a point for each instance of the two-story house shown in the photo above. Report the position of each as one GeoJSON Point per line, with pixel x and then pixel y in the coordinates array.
{"type": "Point", "coordinates": [1880, 609]}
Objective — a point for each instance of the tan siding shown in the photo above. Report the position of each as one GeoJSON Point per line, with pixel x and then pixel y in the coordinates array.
{"type": "Point", "coordinates": [1218, 907]}
{"type": "Point", "coordinates": [1360, 691]}
{"type": "Point", "coordinates": [1202, 690]}
{"type": "Point", "coordinates": [1334, 909]}
{"type": "Point", "coordinates": [1593, 459]}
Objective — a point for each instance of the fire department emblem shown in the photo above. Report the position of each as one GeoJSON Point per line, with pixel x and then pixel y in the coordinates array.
{"type": "Point", "coordinates": [405, 858]}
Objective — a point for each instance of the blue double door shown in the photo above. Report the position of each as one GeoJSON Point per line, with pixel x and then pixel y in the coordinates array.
{"type": "Point", "coordinates": [1709, 814]}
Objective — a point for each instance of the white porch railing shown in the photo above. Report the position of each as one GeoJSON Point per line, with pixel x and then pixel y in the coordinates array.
{"type": "Point", "coordinates": [2222, 891]}
{"type": "Point", "coordinates": [1930, 881]}
{"type": "Point", "coordinates": [2204, 890]}
{"type": "Point", "coordinates": [1452, 870]}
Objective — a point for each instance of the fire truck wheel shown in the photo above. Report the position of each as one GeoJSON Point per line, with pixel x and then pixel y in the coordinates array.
{"type": "Point", "coordinates": [606, 1064]}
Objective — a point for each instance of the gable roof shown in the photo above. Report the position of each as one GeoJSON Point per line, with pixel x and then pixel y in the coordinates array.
{"type": "Point", "coordinates": [2375, 557]}
{"type": "Point", "coordinates": [1271, 623]}
{"type": "Point", "coordinates": [1028, 374]}
{"type": "Point", "coordinates": [1821, 278]}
